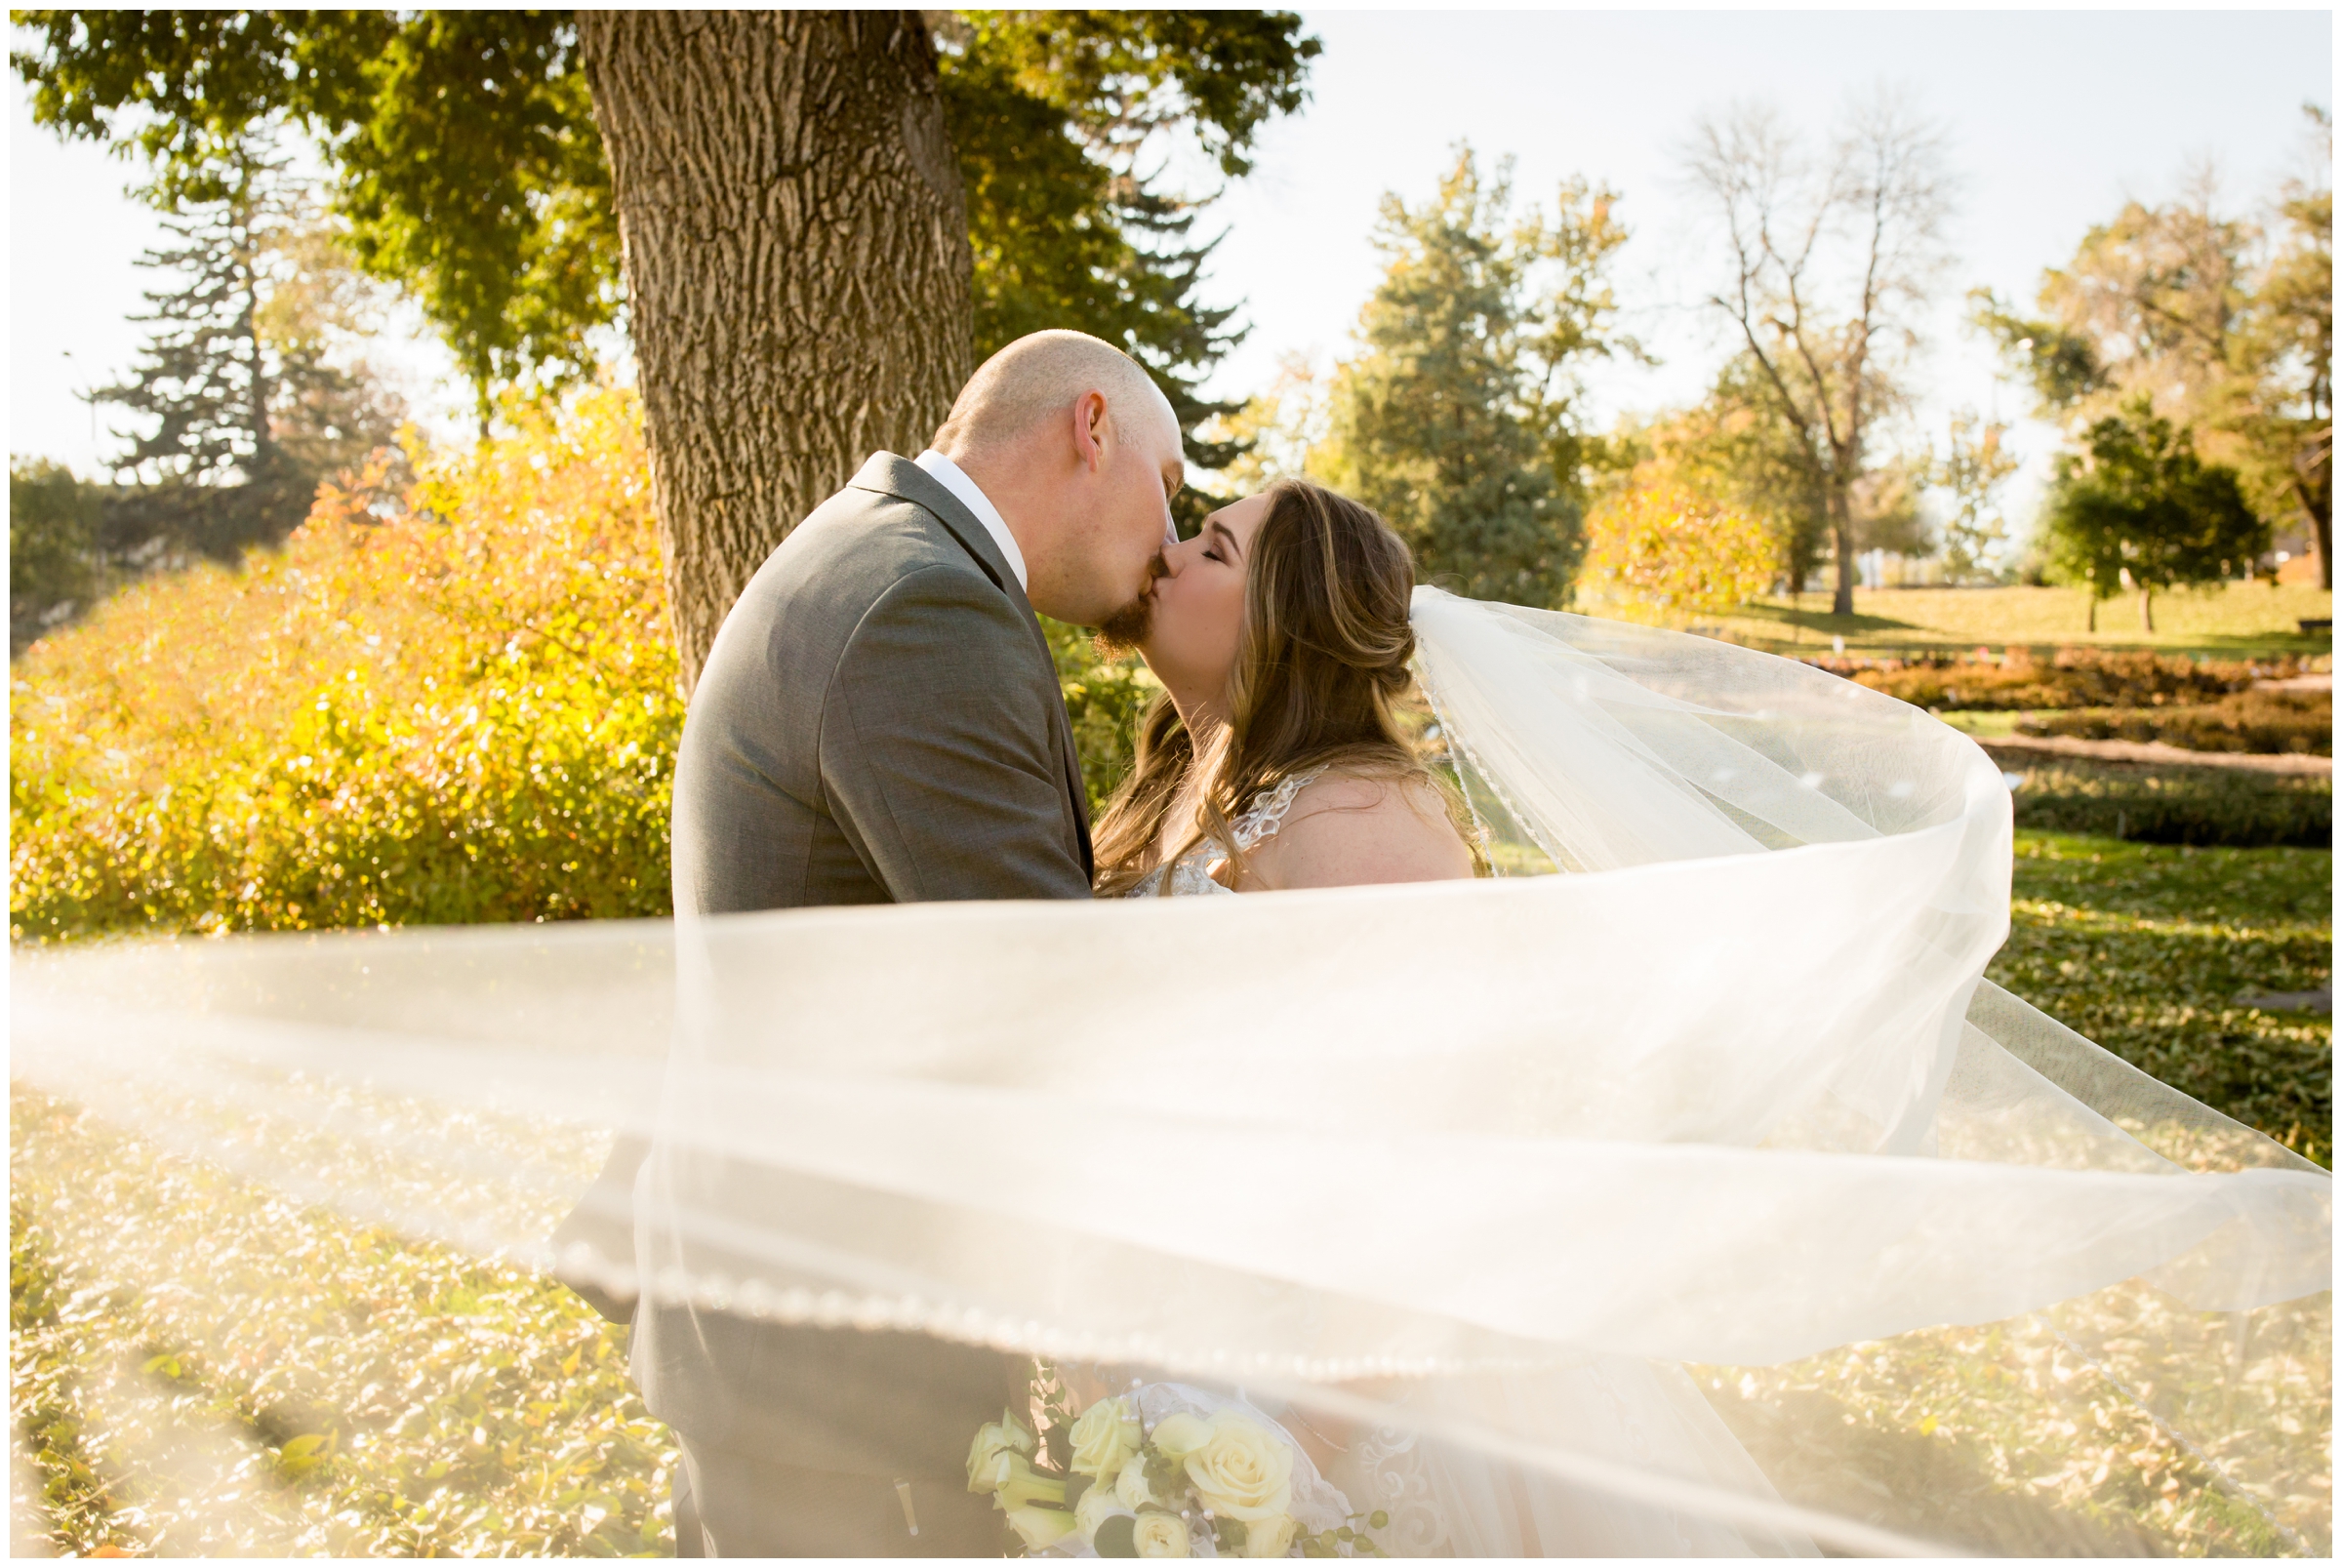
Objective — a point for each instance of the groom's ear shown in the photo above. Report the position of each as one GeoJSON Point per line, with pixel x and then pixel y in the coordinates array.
{"type": "Point", "coordinates": [1093, 430]}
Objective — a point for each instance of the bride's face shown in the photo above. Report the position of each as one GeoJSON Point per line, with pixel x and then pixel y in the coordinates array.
{"type": "Point", "coordinates": [1198, 611]}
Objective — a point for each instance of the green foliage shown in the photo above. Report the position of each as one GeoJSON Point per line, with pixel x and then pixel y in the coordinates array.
{"type": "Point", "coordinates": [203, 1369]}
{"type": "Point", "coordinates": [2145, 949]}
{"type": "Point", "coordinates": [1103, 697]}
{"type": "Point", "coordinates": [1457, 419]}
{"type": "Point", "coordinates": [2061, 364]}
{"type": "Point", "coordinates": [470, 170]}
{"type": "Point", "coordinates": [2141, 506]}
{"type": "Point", "coordinates": [52, 547]}
{"type": "Point", "coordinates": [467, 713]}
{"type": "Point", "coordinates": [2225, 327]}
{"type": "Point", "coordinates": [2262, 722]}
{"type": "Point", "coordinates": [1051, 113]}
{"type": "Point", "coordinates": [464, 143]}
{"type": "Point", "coordinates": [2202, 807]}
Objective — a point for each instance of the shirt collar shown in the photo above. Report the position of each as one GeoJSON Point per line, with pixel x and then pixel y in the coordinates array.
{"type": "Point", "coordinates": [947, 473]}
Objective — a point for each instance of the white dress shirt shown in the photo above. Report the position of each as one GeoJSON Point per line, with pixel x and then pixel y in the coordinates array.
{"type": "Point", "coordinates": [947, 473]}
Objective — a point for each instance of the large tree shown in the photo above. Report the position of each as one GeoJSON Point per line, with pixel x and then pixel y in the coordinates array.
{"type": "Point", "coordinates": [1458, 417]}
{"type": "Point", "coordinates": [1830, 262]}
{"type": "Point", "coordinates": [2223, 324]}
{"type": "Point", "coordinates": [791, 192]}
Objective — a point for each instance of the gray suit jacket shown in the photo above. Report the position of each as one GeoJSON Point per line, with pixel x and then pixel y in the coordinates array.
{"type": "Point", "coordinates": [879, 720]}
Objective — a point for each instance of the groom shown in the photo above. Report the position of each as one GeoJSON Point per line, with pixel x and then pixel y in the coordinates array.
{"type": "Point", "coordinates": [879, 721]}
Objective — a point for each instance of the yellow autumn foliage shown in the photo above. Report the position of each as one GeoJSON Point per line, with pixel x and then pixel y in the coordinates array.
{"type": "Point", "coordinates": [463, 710]}
{"type": "Point", "coordinates": [1661, 552]}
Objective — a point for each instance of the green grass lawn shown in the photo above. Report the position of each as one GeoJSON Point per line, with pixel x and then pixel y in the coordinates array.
{"type": "Point", "coordinates": [2229, 621]}
{"type": "Point", "coordinates": [2145, 948]}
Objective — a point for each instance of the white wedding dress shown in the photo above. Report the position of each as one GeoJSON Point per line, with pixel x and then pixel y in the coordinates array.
{"type": "Point", "coordinates": [1448, 1500]}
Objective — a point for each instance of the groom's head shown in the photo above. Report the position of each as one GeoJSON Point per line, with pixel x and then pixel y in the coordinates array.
{"type": "Point", "coordinates": [1079, 449]}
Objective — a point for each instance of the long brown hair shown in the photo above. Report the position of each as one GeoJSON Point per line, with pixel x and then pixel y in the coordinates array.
{"type": "Point", "coordinates": [1322, 657]}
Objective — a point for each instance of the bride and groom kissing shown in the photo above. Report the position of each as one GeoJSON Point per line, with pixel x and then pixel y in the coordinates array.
{"type": "Point", "coordinates": [879, 720]}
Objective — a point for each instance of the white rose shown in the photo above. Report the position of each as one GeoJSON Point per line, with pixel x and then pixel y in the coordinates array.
{"type": "Point", "coordinates": [1178, 1436]}
{"type": "Point", "coordinates": [1131, 1485]}
{"type": "Point", "coordinates": [1105, 1437]}
{"type": "Point", "coordinates": [1271, 1538]}
{"type": "Point", "coordinates": [994, 1439]}
{"type": "Point", "coordinates": [1097, 1505]}
{"type": "Point", "coordinates": [1160, 1535]}
{"type": "Point", "coordinates": [1040, 1528]}
{"type": "Point", "coordinates": [1245, 1472]}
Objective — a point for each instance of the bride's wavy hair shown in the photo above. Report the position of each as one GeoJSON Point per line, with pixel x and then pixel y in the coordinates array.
{"type": "Point", "coordinates": [1321, 659]}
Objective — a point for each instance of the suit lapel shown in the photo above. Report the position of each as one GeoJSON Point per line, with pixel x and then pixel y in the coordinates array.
{"type": "Point", "coordinates": [891, 475]}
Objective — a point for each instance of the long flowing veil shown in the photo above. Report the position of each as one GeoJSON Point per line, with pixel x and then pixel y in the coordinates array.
{"type": "Point", "coordinates": [1707, 1079]}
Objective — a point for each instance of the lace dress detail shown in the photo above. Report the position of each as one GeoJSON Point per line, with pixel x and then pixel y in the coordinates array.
{"type": "Point", "coordinates": [1191, 874]}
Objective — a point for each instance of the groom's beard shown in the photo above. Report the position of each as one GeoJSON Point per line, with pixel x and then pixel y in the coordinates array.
{"type": "Point", "coordinates": [1124, 633]}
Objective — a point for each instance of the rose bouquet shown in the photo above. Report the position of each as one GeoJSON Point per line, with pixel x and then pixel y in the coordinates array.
{"type": "Point", "coordinates": [1164, 1471]}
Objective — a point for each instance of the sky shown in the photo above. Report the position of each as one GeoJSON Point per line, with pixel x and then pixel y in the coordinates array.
{"type": "Point", "coordinates": [2052, 119]}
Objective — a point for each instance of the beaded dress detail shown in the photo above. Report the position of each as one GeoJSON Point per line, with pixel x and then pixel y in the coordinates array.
{"type": "Point", "coordinates": [1191, 873]}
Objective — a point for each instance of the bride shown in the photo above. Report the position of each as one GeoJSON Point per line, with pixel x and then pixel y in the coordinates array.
{"type": "Point", "coordinates": [1274, 760]}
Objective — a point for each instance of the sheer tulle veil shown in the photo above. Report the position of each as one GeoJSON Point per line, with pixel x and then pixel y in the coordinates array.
{"type": "Point", "coordinates": [1706, 1078]}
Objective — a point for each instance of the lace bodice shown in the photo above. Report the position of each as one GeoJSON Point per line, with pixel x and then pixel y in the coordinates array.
{"type": "Point", "coordinates": [1191, 873]}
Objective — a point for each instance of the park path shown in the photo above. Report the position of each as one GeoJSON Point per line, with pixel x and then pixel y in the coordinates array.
{"type": "Point", "coordinates": [2155, 752]}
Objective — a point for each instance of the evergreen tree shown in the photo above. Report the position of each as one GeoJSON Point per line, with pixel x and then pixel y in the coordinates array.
{"type": "Point", "coordinates": [247, 410]}
{"type": "Point", "coordinates": [1457, 419]}
{"type": "Point", "coordinates": [2139, 506]}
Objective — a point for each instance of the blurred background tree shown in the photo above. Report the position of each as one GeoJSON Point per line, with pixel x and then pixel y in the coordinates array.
{"type": "Point", "coordinates": [2138, 509]}
{"type": "Point", "coordinates": [1659, 551]}
{"type": "Point", "coordinates": [2224, 325]}
{"type": "Point", "coordinates": [1833, 262]}
{"type": "Point", "coordinates": [1459, 418]}
{"type": "Point", "coordinates": [245, 404]}
{"type": "Point", "coordinates": [1976, 464]}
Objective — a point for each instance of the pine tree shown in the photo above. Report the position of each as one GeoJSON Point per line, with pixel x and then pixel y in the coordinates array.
{"type": "Point", "coordinates": [245, 419]}
{"type": "Point", "coordinates": [1457, 419]}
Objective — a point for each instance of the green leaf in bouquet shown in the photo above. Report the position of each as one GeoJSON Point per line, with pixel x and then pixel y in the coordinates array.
{"type": "Point", "coordinates": [1229, 1534]}
{"type": "Point", "coordinates": [1114, 1537]}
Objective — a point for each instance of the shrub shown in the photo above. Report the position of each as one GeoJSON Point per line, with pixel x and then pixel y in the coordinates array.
{"type": "Point", "coordinates": [2198, 806]}
{"type": "Point", "coordinates": [53, 559]}
{"type": "Point", "coordinates": [2074, 677]}
{"type": "Point", "coordinates": [2265, 722]}
{"type": "Point", "coordinates": [466, 713]}
{"type": "Point", "coordinates": [1103, 697]}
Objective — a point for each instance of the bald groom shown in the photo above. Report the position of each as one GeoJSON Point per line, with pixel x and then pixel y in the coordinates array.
{"type": "Point", "coordinates": [879, 721]}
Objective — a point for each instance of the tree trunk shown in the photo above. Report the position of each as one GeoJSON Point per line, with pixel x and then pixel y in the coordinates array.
{"type": "Point", "coordinates": [2093, 613]}
{"type": "Point", "coordinates": [2146, 608]}
{"type": "Point", "coordinates": [796, 262]}
{"type": "Point", "coordinates": [1842, 530]}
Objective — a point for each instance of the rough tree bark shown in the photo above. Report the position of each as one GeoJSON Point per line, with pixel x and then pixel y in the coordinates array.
{"type": "Point", "coordinates": [796, 262]}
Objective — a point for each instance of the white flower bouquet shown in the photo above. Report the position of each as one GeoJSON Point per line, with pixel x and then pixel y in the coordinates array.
{"type": "Point", "coordinates": [1163, 1471]}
